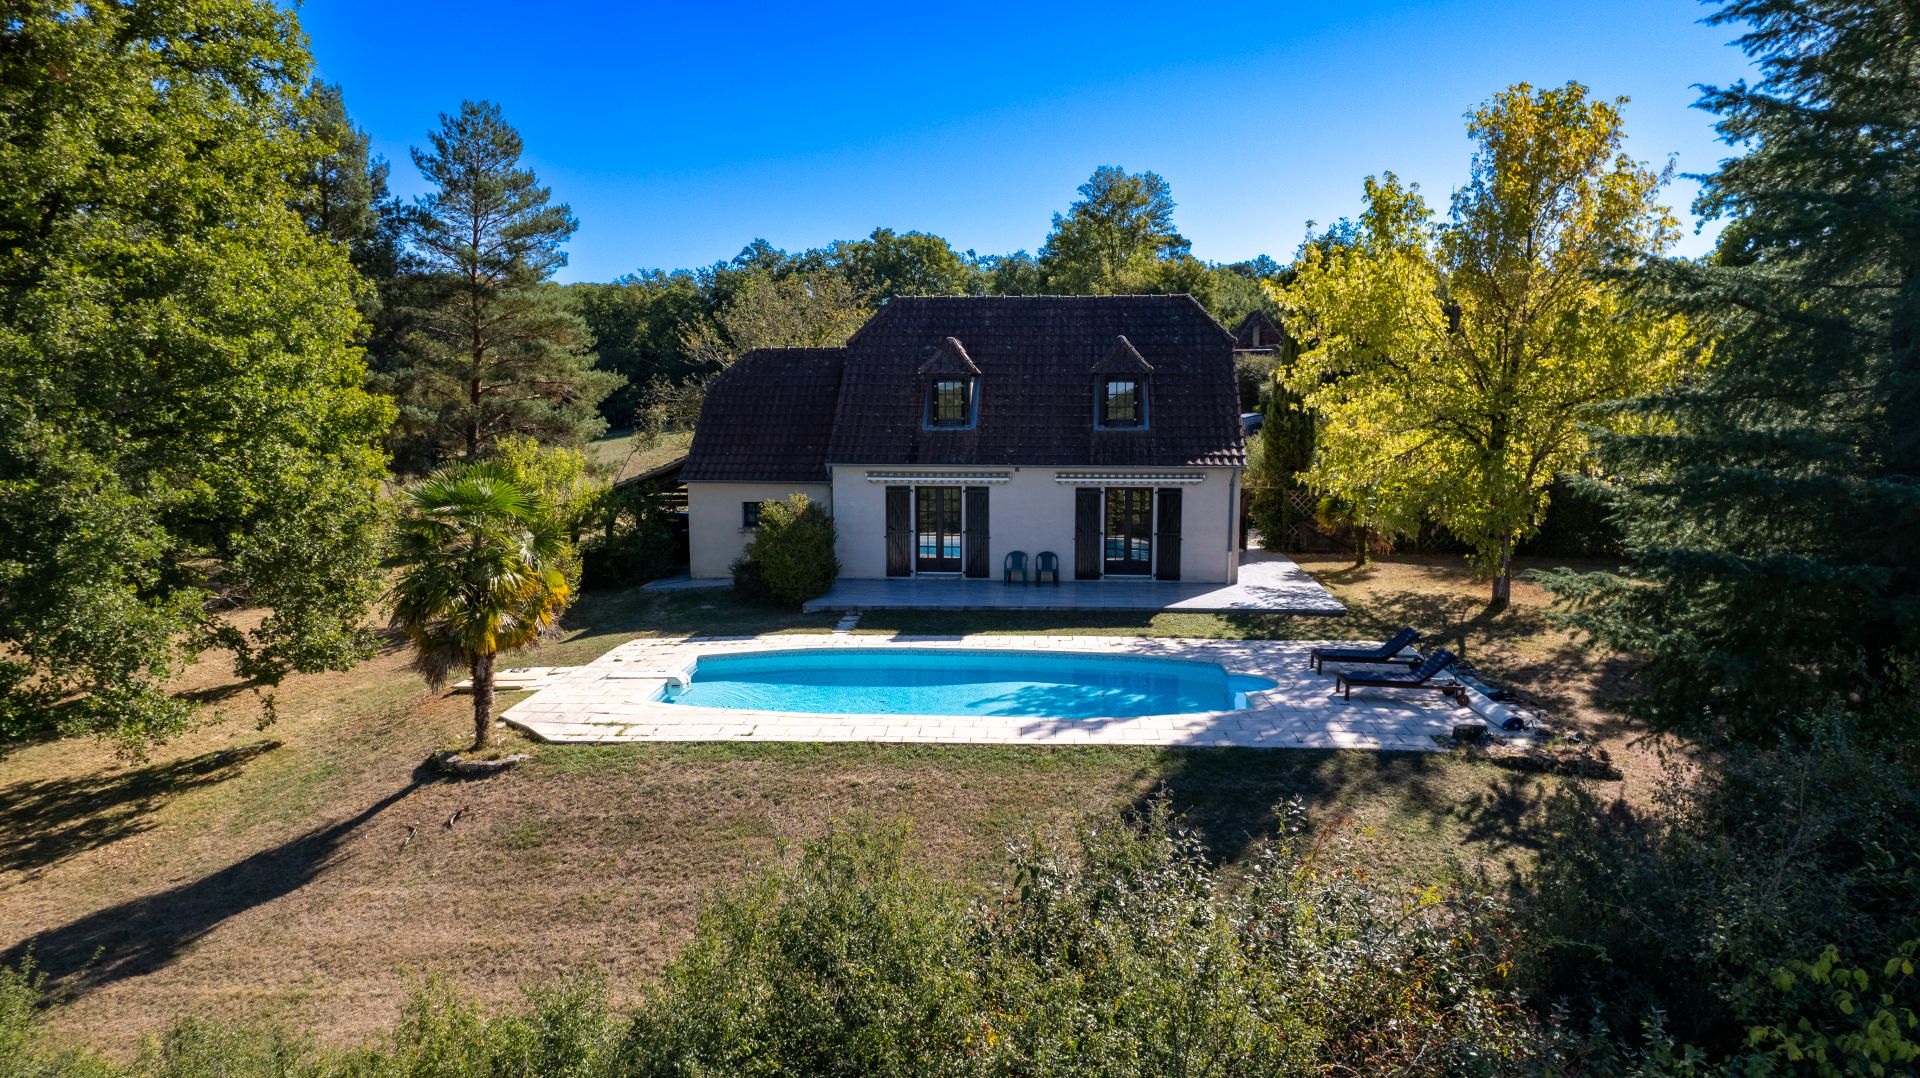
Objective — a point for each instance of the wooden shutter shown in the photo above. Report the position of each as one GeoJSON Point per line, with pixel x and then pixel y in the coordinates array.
{"type": "Point", "coordinates": [976, 531]}
{"type": "Point", "coordinates": [1086, 534]}
{"type": "Point", "coordinates": [899, 531]}
{"type": "Point", "coordinates": [1166, 539]}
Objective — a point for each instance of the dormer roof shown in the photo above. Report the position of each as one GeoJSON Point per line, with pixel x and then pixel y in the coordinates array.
{"type": "Point", "coordinates": [1123, 358]}
{"type": "Point", "coordinates": [950, 357]}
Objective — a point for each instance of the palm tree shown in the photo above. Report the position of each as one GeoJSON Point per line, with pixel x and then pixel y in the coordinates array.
{"type": "Point", "coordinates": [480, 574]}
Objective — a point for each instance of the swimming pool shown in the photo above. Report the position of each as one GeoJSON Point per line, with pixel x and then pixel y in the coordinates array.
{"type": "Point", "coordinates": [953, 681]}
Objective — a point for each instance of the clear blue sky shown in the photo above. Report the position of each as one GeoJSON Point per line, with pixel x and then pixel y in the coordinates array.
{"type": "Point", "coordinates": [678, 132]}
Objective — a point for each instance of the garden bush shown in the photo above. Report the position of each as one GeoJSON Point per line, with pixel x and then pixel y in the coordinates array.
{"type": "Point", "coordinates": [1694, 917]}
{"type": "Point", "coordinates": [793, 551]}
{"type": "Point", "coordinates": [638, 538]}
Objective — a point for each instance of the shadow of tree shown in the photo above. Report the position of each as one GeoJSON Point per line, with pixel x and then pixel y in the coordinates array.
{"type": "Point", "coordinates": [143, 935]}
{"type": "Point", "coordinates": [1230, 796]}
{"type": "Point", "coordinates": [45, 821]}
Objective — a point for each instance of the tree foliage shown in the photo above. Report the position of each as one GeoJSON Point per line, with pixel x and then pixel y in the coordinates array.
{"type": "Point", "coordinates": [888, 264]}
{"type": "Point", "coordinates": [792, 551]}
{"type": "Point", "coordinates": [183, 428]}
{"type": "Point", "coordinates": [497, 350]}
{"type": "Point", "coordinates": [481, 564]}
{"type": "Point", "coordinates": [1456, 367]}
{"type": "Point", "coordinates": [1771, 508]}
{"type": "Point", "coordinates": [1114, 238]}
{"type": "Point", "coordinates": [1283, 452]}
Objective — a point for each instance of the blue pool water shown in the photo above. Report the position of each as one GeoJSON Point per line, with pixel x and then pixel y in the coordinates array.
{"type": "Point", "coordinates": [928, 681]}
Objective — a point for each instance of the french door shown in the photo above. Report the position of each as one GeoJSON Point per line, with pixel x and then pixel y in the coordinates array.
{"type": "Point", "coordinates": [937, 528]}
{"type": "Point", "coordinates": [1129, 532]}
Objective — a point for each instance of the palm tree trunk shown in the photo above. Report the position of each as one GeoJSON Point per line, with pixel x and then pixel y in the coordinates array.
{"type": "Point", "coordinates": [482, 702]}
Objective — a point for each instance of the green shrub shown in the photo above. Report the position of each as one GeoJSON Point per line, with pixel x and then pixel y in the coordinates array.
{"type": "Point", "coordinates": [1125, 953]}
{"type": "Point", "coordinates": [1685, 916]}
{"type": "Point", "coordinates": [793, 548]}
{"type": "Point", "coordinates": [638, 538]}
{"type": "Point", "coordinates": [846, 962]}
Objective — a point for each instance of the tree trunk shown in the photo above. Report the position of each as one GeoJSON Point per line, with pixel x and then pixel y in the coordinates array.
{"type": "Point", "coordinates": [482, 702]}
{"type": "Point", "coordinates": [1363, 547]}
{"type": "Point", "coordinates": [1503, 577]}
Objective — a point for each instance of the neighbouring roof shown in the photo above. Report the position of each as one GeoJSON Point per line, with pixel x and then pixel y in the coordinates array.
{"type": "Point", "coordinates": [768, 418]}
{"type": "Point", "coordinates": [782, 415]}
{"type": "Point", "coordinates": [1256, 333]}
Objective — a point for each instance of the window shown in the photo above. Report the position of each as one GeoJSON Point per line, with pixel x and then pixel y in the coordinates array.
{"type": "Point", "coordinates": [1122, 404]}
{"type": "Point", "coordinates": [750, 514]}
{"type": "Point", "coordinates": [948, 403]}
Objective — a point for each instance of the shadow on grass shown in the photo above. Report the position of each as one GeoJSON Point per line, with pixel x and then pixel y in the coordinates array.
{"type": "Point", "coordinates": [1231, 795]}
{"type": "Point", "coordinates": [1231, 798]}
{"type": "Point", "coordinates": [145, 934]}
{"type": "Point", "coordinates": [703, 612]}
{"type": "Point", "coordinates": [44, 821]}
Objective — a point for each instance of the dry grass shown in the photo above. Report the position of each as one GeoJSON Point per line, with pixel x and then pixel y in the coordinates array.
{"type": "Point", "coordinates": [311, 878]}
{"type": "Point", "coordinates": [621, 453]}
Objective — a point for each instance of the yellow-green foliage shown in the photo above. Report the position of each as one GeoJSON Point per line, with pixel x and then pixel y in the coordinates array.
{"type": "Point", "coordinates": [1851, 1020]}
{"type": "Point", "coordinates": [1453, 364]}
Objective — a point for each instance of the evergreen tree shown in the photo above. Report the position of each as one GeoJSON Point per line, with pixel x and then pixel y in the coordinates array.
{"type": "Point", "coordinates": [1771, 509]}
{"type": "Point", "coordinates": [498, 348]}
{"type": "Point", "coordinates": [1285, 451]}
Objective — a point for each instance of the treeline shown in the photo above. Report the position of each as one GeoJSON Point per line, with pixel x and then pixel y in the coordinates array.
{"type": "Point", "coordinates": [468, 334]}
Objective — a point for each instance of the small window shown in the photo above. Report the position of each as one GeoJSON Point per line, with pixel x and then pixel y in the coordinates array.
{"type": "Point", "coordinates": [1121, 404]}
{"type": "Point", "coordinates": [948, 404]}
{"type": "Point", "coordinates": [750, 514]}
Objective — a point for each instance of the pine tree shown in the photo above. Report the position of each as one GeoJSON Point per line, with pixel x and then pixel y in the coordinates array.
{"type": "Point", "coordinates": [498, 348]}
{"type": "Point", "coordinates": [1771, 509]}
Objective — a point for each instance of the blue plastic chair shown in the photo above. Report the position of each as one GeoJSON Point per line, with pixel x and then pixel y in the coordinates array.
{"type": "Point", "coordinates": [1047, 562]}
{"type": "Point", "coordinates": [1016, 563]}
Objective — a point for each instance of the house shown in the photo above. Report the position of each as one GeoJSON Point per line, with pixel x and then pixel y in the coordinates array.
{"type": "Point", "coordinates": [950, 431]}
{"type": "Point", "coordinates": [1257, 333]}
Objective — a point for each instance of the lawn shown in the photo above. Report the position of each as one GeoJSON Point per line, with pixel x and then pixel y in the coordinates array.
{"type": "Point", "coordinates": [622, 454]}
{"type": "Point", "coordinates": [306, 872]}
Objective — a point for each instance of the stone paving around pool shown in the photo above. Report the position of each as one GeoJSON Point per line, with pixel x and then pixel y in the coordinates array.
{"type": "Point", "coordinates": [613, 699]}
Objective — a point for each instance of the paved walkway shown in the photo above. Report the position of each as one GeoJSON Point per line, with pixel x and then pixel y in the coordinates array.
{"type": "Point", "coordinates": [1269, 584]}
{"type": "Point", "coordinates": [614, 698]}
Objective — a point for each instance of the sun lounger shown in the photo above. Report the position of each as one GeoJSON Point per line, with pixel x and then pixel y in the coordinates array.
{"type": "Point", "coordinates": [1420, 677]}
{"type": "Point", "coordinates": [1388, 652]}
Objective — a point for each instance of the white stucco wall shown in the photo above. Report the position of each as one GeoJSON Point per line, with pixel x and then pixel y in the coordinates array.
{"type": "Point", "coordinates": [1033, 513]}
{"type": "Point", "coordinates": [714, 535]}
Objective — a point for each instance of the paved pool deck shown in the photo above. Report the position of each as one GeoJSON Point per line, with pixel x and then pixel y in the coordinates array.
{"type": "Point", "coordinates": [1269, 584]}
{"type": "Point", "coordinates": [615, 699]}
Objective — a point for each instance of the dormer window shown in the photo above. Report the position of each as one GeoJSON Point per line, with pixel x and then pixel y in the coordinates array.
{"type": "Point", "coordinates": [951, 379]}
{"type": "Point", "coordinates": [1120, 388]}
{"type": "Point", "coordinates": [950, 403]}
{"type": "Point", "coordinates": [1120, 403]}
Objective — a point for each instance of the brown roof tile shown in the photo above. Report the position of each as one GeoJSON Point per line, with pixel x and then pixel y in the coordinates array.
{"type": "Point", "coordinates": [1036, 356]}
{"type": "Point", "coordinates": [768, 418]}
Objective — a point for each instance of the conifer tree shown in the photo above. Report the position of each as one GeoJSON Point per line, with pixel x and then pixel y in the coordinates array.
{"type": "Point", "coordinates": [1771, 509]}
{"type": "Point", "coordinates": [498, 348]}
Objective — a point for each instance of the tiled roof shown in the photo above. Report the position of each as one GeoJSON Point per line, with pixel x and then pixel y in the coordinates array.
{"type": "Point", "coordinates": [950, 357]}
{"type": "Point", "coordinates": [1037, 356]}
{"type": "Point", "coordinates": [781, 415]}
{"type": "Point", "coordinates": [1124, 358]}
{"type": "Point", "coordinates": [768, 418]}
